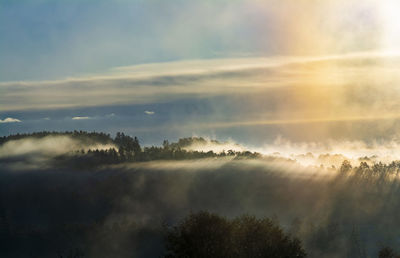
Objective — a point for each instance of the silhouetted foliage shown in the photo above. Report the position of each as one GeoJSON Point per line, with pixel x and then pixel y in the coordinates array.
{"type": "Point", "coordinates": [387, 252]}
{"type": "Point", "coordinates": [85, 137]}
{"type": "Point", "coordinates": [208, 235]}
{"type": "Point", "coordinates": [55, 208]}
{"type": "Point", "coordinates": [127, 149]}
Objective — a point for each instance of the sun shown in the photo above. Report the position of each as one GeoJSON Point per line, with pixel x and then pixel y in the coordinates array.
{"type": "Point", "coordinates": [390, 17]}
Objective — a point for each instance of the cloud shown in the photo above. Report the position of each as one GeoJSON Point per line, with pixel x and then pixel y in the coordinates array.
{"type": "Point", "coordinates": [106, 116]}
{"type": "Point", "coordinates": [144, 84]}
{"type": "Point", "coordinates": [80, 118]}
{"type": "Point", "coordinates": [211, 28]}
{"type": "Point", "coordinates": [149, 112]}
{"type": "Point", "coordinates": [10, 120]}
{"type": "Point", "coordinates": [296, 95]}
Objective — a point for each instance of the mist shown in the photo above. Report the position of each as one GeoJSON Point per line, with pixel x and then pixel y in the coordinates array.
{"type": "Point", "coordinates": [335, 212]}
{"type": "Point", "coordinates": [290, 111]}
{"type": "Point", "coordinates": [49, 146]}
{"type": "Point", "coordinates": [39, 152]}
{"type": "Point", "coordinates": [308, 202]}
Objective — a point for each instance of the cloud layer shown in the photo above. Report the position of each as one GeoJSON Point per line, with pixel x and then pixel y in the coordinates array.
{"type": "Point", "coordinates": [311, 97]}
{"type": "Point", "coordinates": [319, 83]}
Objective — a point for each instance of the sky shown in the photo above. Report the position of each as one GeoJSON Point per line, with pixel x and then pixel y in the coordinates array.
{"type": "Point", "coordinates": [248, 70]}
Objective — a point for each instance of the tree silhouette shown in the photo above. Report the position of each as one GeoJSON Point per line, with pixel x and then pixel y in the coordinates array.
{"type": "Point", "coordinates": [387, 252]}
{"type": "Point", "coordinates": [208, 235]}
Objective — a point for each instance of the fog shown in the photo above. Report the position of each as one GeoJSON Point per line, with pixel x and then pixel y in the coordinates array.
{"type": "Point", "coordinates": [38, 152]}
{"type": "Point", "coordinates": [215, 146]}
{"type": "Point", "coordinates": [311, 86]}
{"type": "Point", "coordinates": [304, 154]}
{"type": "Point", "coordinates": [122, 210]}
{"type": "Point", "coordinates": [49, 146]}
{"type": "Point", "coordinates": [312, 153]}
{"type": "Point", "coordinates": [333, 152]}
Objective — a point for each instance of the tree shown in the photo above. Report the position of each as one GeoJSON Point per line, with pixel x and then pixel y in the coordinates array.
{"type": "Point", "coordinates": [387, 252]}
{"type": "Point", "coordinates": [208, 235]}
{"type": "Point", "coordinates": [200, 235]}
{"type": "Point", "coordinates": [254, 237]}
{"type": "Point", "coordinates": [345, 167]}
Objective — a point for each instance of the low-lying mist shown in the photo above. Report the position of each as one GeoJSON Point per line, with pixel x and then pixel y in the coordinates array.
{"type": "Point", "coordinates": [122, 210]}
{"type": "Point", "coordinates": [333, 152]}
{"type": "Point", "coordinates": [49, 146]}
{"type": "Point", "coordinates": [34, 152]}
{"type": "Point", "coordinates": [328, 153]}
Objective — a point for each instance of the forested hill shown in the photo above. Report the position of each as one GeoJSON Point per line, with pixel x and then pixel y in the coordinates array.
{"type": "Point", "coordinates": [125, 148]}
{"type": "Point", "coordinates": [83, 136]}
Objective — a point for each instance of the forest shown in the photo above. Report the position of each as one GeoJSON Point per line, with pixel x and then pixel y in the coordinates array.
{"type": "Point", "coordinates": [126, 149]}
{"type": "Point", "coordinates": [81, 194]}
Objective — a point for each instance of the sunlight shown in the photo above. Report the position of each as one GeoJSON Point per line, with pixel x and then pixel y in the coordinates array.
{"type": "Point", "coordinates": [391, 24]}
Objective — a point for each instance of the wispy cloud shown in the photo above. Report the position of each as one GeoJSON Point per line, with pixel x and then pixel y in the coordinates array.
{"type": "Point", "coordinates": [147, 112]}
{"type": "Point", "coordinates": [314, 97]}
{"type": "Point", "coordinates": [196, 29]}
{"type": "Point", "coordinates": [95, 117]}
{"type": "Point", "coordinates": [153, 83]}
{"type": "Point", "coordinates": [10, 120]}
{"type": "Point", "coordinates": [80, 118]}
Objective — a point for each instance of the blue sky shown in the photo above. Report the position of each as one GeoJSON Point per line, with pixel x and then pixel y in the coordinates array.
{"type": "Point", "coordinates": [250, 70]}
{"type": "Point", "coordinates": [52, 39]}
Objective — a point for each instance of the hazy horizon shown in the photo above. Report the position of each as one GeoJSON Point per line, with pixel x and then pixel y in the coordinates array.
{"type": "Point", "coordinates": [247, 70]}
{"type": "Point", "coordinates": [285, 110]}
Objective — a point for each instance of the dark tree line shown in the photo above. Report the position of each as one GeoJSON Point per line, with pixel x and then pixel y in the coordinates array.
{"type": "Point", "coordinates": [119, 212]}
{"type": "Point", "coordinates": [387, 252]}
{"type": "Point", "coordinates": [83, 136]}
{"type": "Point", "coordinates": [128, 149]}
{"type": "Point", "coordinates": [208, 235]}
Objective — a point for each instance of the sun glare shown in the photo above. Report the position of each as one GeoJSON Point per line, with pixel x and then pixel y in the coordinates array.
{"type": "Point", "coordinates": [391, 24]}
